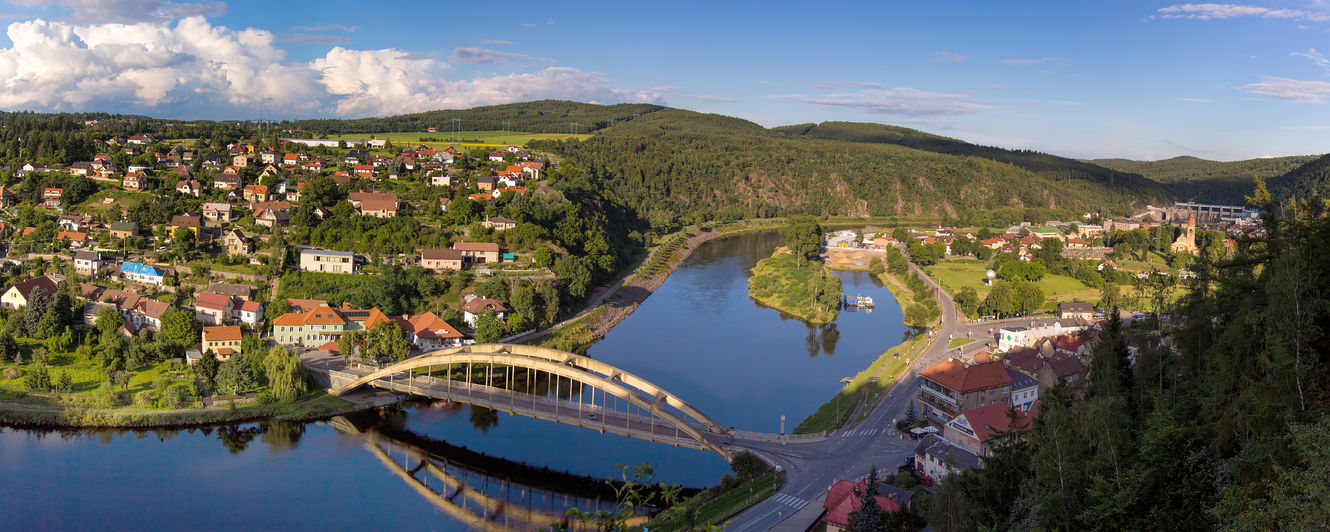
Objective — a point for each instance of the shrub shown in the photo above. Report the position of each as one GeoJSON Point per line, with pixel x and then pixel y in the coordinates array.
{"type": "Point", "coordinates": [13, 373]}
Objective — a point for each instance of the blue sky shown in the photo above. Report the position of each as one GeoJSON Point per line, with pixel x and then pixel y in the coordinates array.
{"type": "Point", "coordinates": [1144, 80]}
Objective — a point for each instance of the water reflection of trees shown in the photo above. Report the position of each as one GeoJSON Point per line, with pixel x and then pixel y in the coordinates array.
{"type": "Point", "coordinates": [821, 339]}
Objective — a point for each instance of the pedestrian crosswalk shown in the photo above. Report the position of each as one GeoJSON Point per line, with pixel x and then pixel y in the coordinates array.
{"type": "Point", "coordinates": [863, 432]}
{"type": "Point", "coordinates": [789, 500]}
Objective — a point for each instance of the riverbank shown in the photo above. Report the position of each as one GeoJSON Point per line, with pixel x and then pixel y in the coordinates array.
{"type": "Point", "coordinates": [31, 411]}
{"type": "Point", "coordinates": [805, 291]}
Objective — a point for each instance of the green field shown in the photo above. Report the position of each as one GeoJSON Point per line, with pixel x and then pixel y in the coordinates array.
{"type": "Point", "coordinates": [466, 138]}
{"type": "Point", "coordinates": [956, 274]}
{"type": "Point", "coordinates": [87, 374]}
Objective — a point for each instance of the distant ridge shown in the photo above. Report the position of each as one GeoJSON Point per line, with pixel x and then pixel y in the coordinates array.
{"type": "Point", "coordinates": [1193, 178]}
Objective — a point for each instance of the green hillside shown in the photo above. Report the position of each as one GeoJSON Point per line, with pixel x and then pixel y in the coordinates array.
{"type": "Point", "coordinates": [674, 163]}
{"type": "Point", "coordinates": [1303, 181]}
{"type": "Point", "coordinates": [1192, 178]}
{"type": "Point", "coordinates": [1043, 164]}
{"type": "Point", "coordinates": [544, 116]}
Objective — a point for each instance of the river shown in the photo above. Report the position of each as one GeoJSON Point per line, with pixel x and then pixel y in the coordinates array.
{"type": "Point", "coordinates": [699, 336]}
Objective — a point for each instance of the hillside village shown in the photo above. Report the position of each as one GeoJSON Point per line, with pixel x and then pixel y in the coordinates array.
{"type": "Point", "coordinates": [298, 243]}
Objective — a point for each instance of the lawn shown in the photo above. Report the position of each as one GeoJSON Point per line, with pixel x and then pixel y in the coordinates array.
{"type": "Point", "coordinates": [120, 201]}
{"type": "Point", "coordinates": [956, 274]}
{"type": "Point", "coordinates": [466, 138]}
{"type": "Point", "coordinates": [864, 388]}
{"type": "Point", "coordinates": [87, 374]}
{"type": "Point", "coordinates": [957, 342]}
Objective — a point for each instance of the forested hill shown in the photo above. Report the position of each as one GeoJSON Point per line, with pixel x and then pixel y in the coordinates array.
{"type": "Point", "coordinates": [1196, 179]}
{"type": "Point", "coordinates": [544, 116]}
{"type": "Point", "coordinates": [673, 163]}
{"type": "Point", "coordinates": [1303, 181]}
{"type": "Point", "coordinates": [1042, 164]}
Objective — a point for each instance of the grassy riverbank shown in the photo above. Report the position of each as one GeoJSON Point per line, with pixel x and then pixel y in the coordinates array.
{"type": "Point", "coordinates": [28, 410]}
{"type": "Point", "coordinates": [713, 506]}
{"type": "Point", "coordinates": [805, 291]}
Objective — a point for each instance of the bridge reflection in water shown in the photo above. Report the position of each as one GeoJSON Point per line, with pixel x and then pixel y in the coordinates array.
{"type": "Point", "coordinates": [477, 495]}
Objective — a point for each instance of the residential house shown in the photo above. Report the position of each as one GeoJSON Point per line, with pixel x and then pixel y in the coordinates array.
{"type": "Point", "coordinates": [443, 203]}
{"type": "Point", "coordinates": [223, 341]}
{"type": "Point", "coordinates": [312, 166]}
{"type": "Point", "coordinates": [272, 213]}
{"type": "Point", "coordinates": [7, 198]}
{"type": "Point", "coordinates": [304, 305]}
{"type": "Point", "coordinates": [270, 170]}
{"type": "Point", "coordinates": [141, 139]}
{"type": "Point", "coordinates": [476, 306]}
{"type": "Point", "coordinates": [250, 313]}
{"type": "Point", "coordinates": [217, 212]}
{"type": "Point", "coordinates": [320, 325]}
{"type": "Point", "coordinates": [485, 183]}
{"type": "Point", "coordinates": [76, 239]}
{"type": "Point", "coordinates": [242, 160]}
{"type": "Point", "coordinates": [935, 458]}
{"type": "Point", "coordinates": [380, 204]}
{"type": "Point", "coordinates": [499, 223]}
{"type": "Point", "coordinates": [238, 291]}
{"type": "Point", "coordinates": [213, 309]}
{"type": "Point", "coordinates": [135, 181]}
{"type": "Point", "coordinates": [190, 187]}
{"type": "Point", "coordinates": [52, 196]}
{"type": "Point", "coordinates": [228, 182]}
{"type": "Point", "coordinates": [88, 262]}
{"type": "Point", "coordinates": [290, 159]}
{"type": "Point", "coordinates": [74, 223]}
{"type": "Point", "coordinates": [193, 222]}
{"type": "Point", "coordinates": [256, 193]}
{"type": "Point", "coordinates": [323, 260]}
{"type": "Point", "coordinates": [442, 180]}
{"type": "Point", "coordinates": [846, 497]}
{"type": "Point", "coordinates": [1024, 390]}
{"type": "Point", "coordinates": [1075, 310]}
{"type": "Point", "coordinates": [977, 428]}
{"type": "Point", "coordinates": [81, 169]}
{"type": "Point", "coordinates": [236, 243]}
{"type": "Point", "coordinates": [478, 252]}
{"type": "Point", "coordinates": [363, 170]}
{"type": "Point", "coordinates": [950, 387]}
{"type": "Point", "coordinates": [496, 156]}
{"type": "Point", "coordinates": [268, 156]}
{"type": "Point", "coordinates": [142, 273]}
{"type": "Point", "coordinates": [124, 229]}
{"type": "Point", "coordinates": [19, 294]}
{"type": "Point", "coordinates": [441, 259]}
{"type": "Point", "coordinates": [428, 332]}
{"type": "Point", "coordinates": [1048, 370]}
{"type": "Point", "coordinates": [138, 311]}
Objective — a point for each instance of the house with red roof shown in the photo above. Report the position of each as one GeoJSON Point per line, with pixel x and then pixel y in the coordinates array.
{"type": "Point", "coordinates": [223, 341]}
{"type": "Point", "coordinates": [321, 325]}
{"type": "Point", "coordinates": [18, 295]}
{"type": "Point", "coordinates": [476, 306]}
{"type": "Point", "coordinates": [213, 309]}
{"type": "Point", "coordinates": [976, 429]}
{"type": "Point", "coordinates": [846, 497]}
{"type": "Point", "coordinates": [950, 387]}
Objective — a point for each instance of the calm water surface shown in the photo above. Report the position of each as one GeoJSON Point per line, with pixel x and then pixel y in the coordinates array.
{"type": "Point", "coordinates": [699, 336]}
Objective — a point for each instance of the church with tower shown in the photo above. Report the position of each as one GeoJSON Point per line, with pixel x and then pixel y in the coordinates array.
{"type": "Point", "coordinates": [1186, 242]}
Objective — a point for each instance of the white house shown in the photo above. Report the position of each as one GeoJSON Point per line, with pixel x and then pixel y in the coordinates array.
{"type": "Point", "coordinates": [142, 273]}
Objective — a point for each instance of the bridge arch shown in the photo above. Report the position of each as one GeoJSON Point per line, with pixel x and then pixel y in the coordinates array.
{"type": "Point", "coordinates": [609, 379]}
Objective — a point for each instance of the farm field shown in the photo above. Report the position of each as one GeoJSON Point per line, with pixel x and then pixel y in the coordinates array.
{"type": "Point", "coordinates": [466, 138]}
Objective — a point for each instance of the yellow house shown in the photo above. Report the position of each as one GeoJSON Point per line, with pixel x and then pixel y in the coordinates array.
{"type": "Point", "coordinates": [192, 221]}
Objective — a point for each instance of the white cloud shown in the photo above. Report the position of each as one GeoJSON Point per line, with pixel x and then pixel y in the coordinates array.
{"type": "Point", "coordinates": [314, 38]}
{"type": "Point", "coordinates": [485, 56]}
{"type": "Point", "coordinates": [1293, 90]}
{"type": "Point", "coordinates": [191, 68]}
{"type": "Point", "coordinates": [130, 11]}
{"type": "Point", "coordinates": [842, 85]}
{"type": "Point", "coordinates": [1192, 100]}
{"type": "Point", "coordinates": [1315, 57]}
{"type": "Point", "coordinates": [904, 101]}
{"type": "Point", "coordinates": [497, 42]}
{"type": "Point", "coordinates": [1227, 11]}
{"type": "Point", "coordinates": [948, 57]}
{"type": "Point", "coordinates": [711, 99]}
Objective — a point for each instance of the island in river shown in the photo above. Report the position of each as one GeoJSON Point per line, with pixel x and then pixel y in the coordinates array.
{"type": "Point", "coordinates": [806, 291]}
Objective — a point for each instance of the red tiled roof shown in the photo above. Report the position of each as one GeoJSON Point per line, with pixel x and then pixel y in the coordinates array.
{"type": "Point", "coordinates": [251, 306]}
{"type": "Point", "coordinates": [965, 378]}
{"type": "Point", "coordinates": [480, 304]}
{"type": "Point", "coordinates": [212, 301]}
{"type": "Point", "coordinates": [44, 283]}
{"type": "Point", "coordinates": [989, 421]}
{"type": "Point", "coordinates": [845, 497]}
{"type": "Point", "coordinates": [221, 333]}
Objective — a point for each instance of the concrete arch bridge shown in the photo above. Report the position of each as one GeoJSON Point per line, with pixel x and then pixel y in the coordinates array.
{"type": "Point", "coordinates": [519, 378]}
